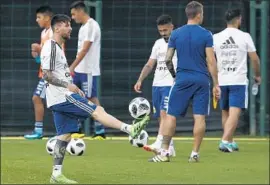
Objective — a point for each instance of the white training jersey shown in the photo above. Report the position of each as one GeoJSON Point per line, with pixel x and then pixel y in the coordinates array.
{"type": "Point", "coordinates": [89, 31]}
{"type": "Point", "coordinates": [53, 59]}
{"type": "Point", "coordinates": [232, 46]}
{"type": "Point", "coordinates": [162, 75]}
{"type": "Point", "coordinates": [46, 34]}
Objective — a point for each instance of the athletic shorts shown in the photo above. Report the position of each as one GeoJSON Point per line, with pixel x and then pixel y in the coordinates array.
{"type": "Point", "coordinates": [160, 97]}
{"type": "Point", "coordinates": [234, 96]}
{"type": "Point", "coordinates": [184, 92]}
{"type": "Point", "coordinates": [87, 83]}
{"type": "Point", "coordinates": [40, 90]}
{"type": "Point", "coordinates": [68, 114]}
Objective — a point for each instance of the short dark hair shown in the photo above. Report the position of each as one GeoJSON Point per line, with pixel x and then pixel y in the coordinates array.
{"type": "Point", "coordinates": [193, 8]}
{"type": "Point", "coordinates": [58, 18]}
{"type": "Point", "coordinates": [46, 9]}
{"type": "Point", "coordinates": [79, 5]}
{"type": "Point", "coordinates": [231, 15]}
{"type": "Point", "coordinates": [164, 19]}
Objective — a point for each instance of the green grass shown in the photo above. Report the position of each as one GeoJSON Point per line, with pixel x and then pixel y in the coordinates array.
{"type": "Point", "coordinates": [117, 162]}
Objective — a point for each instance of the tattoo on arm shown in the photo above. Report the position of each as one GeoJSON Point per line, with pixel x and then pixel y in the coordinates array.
{"type": "Point", "coordinates": [48, 76]}
{"type": "Point", "coordinates": [168, 61]}
{"type": "Point", "coordinates": [147, 69]}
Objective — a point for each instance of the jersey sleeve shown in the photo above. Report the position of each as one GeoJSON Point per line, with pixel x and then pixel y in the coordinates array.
{"type": "Point", "coordinates": [209, 40]}
{"type": "Point", "coordinates": [154, 52]}
{"type": "Point", "coordinates": [48, 56]}
{"type": "Point", "coordinates": [172, 39]}
{"type": "Point", "coordinates": [91, 33]}
{"type": "Point", "coordinates": [250, 44]}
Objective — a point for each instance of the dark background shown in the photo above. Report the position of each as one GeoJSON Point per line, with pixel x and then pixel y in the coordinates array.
{"type": "Point", "coordinates": [128, 34]}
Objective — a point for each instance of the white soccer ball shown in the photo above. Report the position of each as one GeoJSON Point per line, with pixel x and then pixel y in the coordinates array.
{"type": "Point", "coordinates": [76, 147]}
{"type": "Point", "coordinates": [140, 141]}
{"type": "Point", "coordinates": [139, 107]}
{"type": "Point", "coordinates": [50, 145]}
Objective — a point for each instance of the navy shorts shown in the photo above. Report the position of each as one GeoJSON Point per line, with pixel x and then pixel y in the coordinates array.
{"type": "Point", "coordinates": [68, 114]}
{"type": "Point", "coordinates": [87, 83]}
{"type": "Point", "coordinates": [40, 89]}
{"type": "Point", "coordinates": [234, 96]}
{"type": "Point", "coordinates": [184, 92]}
{"type": "Point", "coordinates": [160, 97]}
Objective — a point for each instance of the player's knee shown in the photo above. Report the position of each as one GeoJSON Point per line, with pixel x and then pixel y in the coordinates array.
{"type": "Point", "coordinates": [99, 112]}
{"type": "Point", "coordinates": [36, 99]}
{"type": "Point", "coordinates": [65, 137]}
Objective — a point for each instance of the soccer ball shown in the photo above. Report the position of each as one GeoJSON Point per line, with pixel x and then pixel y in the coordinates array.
{"type": "Point", "coordinates": [138, 107]}
{"type": "Point", "coordinates": [76, 147]}
{"type": "Point", "coordinates": [140, 141]}
{"type": "Point", "coordinates": [50, 145]}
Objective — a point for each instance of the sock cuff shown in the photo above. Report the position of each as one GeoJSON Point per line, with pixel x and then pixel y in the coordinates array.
{"type": "Point", "coordinates": [38, 124]}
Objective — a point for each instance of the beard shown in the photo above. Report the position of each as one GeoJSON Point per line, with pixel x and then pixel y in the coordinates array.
{"type": "Point", "coordinates": [166, 39]}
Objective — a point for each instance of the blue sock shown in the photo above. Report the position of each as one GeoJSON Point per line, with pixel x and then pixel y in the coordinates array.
{"type": "Point", "coordinates": [39, 127]}
{"type": "Point", "coordinates": [99, 128]}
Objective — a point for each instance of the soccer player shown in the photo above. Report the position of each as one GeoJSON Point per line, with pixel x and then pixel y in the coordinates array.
{"type": "Point", "coordinates": [162, 80]}
{"type": "Point", "coordinates": [86, 64]}
{"type": "Point", "coordinates": [193, 45]}
{"type": "Point", "coordinates": [67, 101]}
{"type": "Point", "coordinates": [232, 47]}
{"type": "Point", "coordinates": [43, 18]}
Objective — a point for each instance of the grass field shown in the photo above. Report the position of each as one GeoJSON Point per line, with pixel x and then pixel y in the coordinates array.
{"type": "Point", "coordinates": [117, 162]}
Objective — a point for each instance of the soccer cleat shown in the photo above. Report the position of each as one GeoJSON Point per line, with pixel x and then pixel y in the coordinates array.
{"type": "Point", "coordinates": [194, 158]}
{"type": "Point", "coordinates": [155, 150]}
{"type": "Point", "coordinates": [234, 146]}
{"type": "Point", "coordinates": [99, 137]}
{"type": "Point", "coordinates": [225, 147]}
{"type": "Point", "coordinates": [138, 126]}
{"type": "Point", "coordinates": [34, 135]}
{"type": "Point", "coordinates": [160, 158]}
{"type": "Point", "coordinates": [61, 179]}
{"type": "Point", "coordinates": [77, 135]}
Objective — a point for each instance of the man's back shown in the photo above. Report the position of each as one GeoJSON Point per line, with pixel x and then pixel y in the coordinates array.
{"type": "Point", "coordinates": [190, 42]}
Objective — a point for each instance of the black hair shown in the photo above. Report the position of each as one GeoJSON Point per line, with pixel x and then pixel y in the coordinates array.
{"type": "Point", "coordinates": [193, 8]}
{"type": "Point", "coordinates": [164, 19]}
{"type": "Point", "coordinates": [46, 9]}
{"type": "Point", "coordinates": [79, 5]}
{"type": "Point", "coordinates": [58, 18]}
{"type": "Point", "coordinates": [230, 15]}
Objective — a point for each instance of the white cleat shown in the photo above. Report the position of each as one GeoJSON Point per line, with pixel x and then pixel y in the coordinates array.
{"type": "Point", "coordinates": [153, 148]}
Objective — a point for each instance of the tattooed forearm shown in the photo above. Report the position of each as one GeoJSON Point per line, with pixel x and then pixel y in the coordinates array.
{"type": "Point", "coordinates": [47, 75]}
{"type": "Point", "coordinates": [147, 69]}
{"type": "Point", "coordinates": [168, 60]}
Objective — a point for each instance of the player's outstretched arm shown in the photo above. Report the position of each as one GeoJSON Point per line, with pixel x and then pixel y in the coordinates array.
{"type": "Point", "coordinates": [168, 61]}
{"type": "Point", "coordinates": [147, 69]}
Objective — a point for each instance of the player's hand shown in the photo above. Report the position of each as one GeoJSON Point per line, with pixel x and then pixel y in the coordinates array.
{"type": "Point", "coordinates": [137, 87]}
{"type": "Point", "coordinates": [75, 89]}
{"type": "Point", "coordinates": [216, 92]}
{"type": "Point", "coordinates": [258, 79]}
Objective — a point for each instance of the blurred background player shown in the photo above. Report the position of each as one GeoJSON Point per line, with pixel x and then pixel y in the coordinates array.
{"type": "Point", "coordinates": [86, 67]}
{"type": "Point", "coordinates": [193, 45]}
{"type": "Point", "coordinates": [232, 47]}
{"type": "Point", "coordinates": [67, 101]}
{"type": "Point", "coordinates": [162, 80]}
{"type": "Point", "coordinates": [43, 18]}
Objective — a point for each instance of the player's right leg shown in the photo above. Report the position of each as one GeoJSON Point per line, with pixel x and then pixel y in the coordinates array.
{"type": "Point", "coordinates": [38, 95]}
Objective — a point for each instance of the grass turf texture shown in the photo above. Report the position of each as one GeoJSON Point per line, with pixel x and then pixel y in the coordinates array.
{"type": "Point", "coordinates": [117, 162]}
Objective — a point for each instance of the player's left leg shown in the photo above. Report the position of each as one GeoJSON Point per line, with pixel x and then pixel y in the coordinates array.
{"type": "Point", "coordinates": [38, 96]}
{"type": "Point", "coordinates": [99, 128]}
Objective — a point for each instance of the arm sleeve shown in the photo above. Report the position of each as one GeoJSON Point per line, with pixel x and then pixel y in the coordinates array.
{"type": "Point", "coordinates": [250, 44]}
{"type": "Point", "coordinates": [91, 33]}
{"type": "Point", "coordinates": [48, 56]}
{"type": "Point", "coordinates": [154, 52]}
{"type": "Point", "coordinates": [172, 39]}
{"type": "Point", "coordinates": [209, 40]}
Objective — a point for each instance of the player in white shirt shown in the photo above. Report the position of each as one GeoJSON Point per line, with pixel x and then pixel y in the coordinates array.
{"type": "Point", "coordinates": [67, 101]}
{"type": "Point", "coordinates": [232, 47]}
{"type": "Point", "coordinates": [43, 18]}
{"type": "Point", "coordinates": [162, 79]}
{"type": "Point", "coordinates": [86, 65]}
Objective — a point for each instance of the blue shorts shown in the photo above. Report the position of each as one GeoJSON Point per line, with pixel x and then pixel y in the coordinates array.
{"type": "Point", "coordinates": [40, 90]}
{"type": "Point", "coordinates": [160, 97]}
{"type": "Point", "coordinates": [184, 92]}
{"type": "Point", "coordinates": [234, 96]}
{"type": "Point", "coordinates": [68, 114]}
{"type": "Point", "coordinates": [87, 83]}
